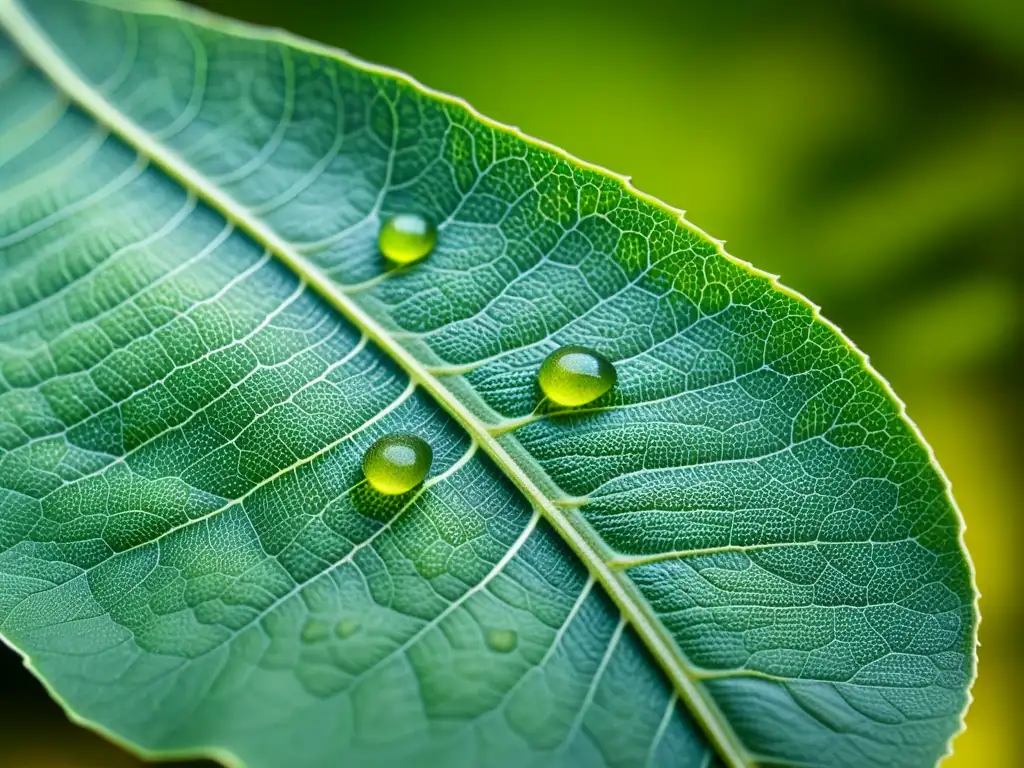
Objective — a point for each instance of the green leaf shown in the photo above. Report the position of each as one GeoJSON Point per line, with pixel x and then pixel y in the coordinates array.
{"type": "Point", "coordinates": [744, 553]}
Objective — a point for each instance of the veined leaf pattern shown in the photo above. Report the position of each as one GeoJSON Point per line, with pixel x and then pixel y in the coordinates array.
{"type": "Point", "coordinates": [744, 554]}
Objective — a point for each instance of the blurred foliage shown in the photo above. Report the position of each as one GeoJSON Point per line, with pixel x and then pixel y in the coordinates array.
{"type": "Point", "coordinates": [870, 153]}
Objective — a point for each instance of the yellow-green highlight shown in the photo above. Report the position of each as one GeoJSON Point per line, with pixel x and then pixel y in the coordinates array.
{"type": "Point", "coordinates": [406, 238]}
{"type": "Point", "coordinates": [396, 464]}
{"type": "Point", "coordinates": [574, 376]}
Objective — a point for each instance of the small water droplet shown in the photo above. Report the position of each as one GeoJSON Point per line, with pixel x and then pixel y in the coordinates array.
{"type": "Point", "coordinates": [407, 237]}
{"type": "Point", "coordinates": [397, 463]}
{"type": "Point", "coordinates": [574, 376]}
{"type": "Point", "coordinates": [315, 631]}
{"type": "Point", "coordinates": [346, 628]}
{"type": "Point", "coordinates": [502, 640]}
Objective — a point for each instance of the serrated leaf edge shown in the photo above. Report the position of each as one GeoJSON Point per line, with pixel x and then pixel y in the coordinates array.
{"type": "Point", "coordinates": [634, 607]}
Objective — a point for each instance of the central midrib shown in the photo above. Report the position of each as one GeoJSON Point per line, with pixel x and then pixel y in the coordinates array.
{"type": "Point", "coordinates": [634, 607]}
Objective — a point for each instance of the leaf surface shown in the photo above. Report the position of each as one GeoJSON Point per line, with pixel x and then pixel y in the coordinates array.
{"type": "Point", "coordinates": [743, 554]}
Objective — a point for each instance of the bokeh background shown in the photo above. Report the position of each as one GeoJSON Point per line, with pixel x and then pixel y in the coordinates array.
{"type": "Point", "coordinates": [871, 153]}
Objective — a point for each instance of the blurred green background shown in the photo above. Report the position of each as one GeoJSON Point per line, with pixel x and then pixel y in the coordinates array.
{"type": "Point", "coordinates": [871, 153]}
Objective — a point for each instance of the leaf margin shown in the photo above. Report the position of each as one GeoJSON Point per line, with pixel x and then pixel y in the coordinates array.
{"type": "Point", "coordinates": [34, 44]}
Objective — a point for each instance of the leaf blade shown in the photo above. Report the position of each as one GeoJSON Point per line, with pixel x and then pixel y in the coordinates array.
{"type": "Point", "coordinates": [529, 456]}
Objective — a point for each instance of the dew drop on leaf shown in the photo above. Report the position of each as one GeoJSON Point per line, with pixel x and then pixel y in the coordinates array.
{"type": "Point", "coordinates": [502, 640]}
{"type": "Point", "coordinates": [315, 631]}
{"type": "Point", "coordinates": [407, 237]}
{"type": "Point", "coordinates": [574, 376]}
{"type": "Point", "coordinates": [397, 463]}
{"type": "Point", "coordinates": [346, 628]}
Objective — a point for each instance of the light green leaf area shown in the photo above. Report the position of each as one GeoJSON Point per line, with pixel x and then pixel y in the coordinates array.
{"type": "Point", "coordinates": [742, 554]}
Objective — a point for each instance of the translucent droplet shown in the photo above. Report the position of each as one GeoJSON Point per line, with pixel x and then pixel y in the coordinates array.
{"type": "Point", "coordinates": [315, 631]}
{"type": "Point", "coordinates": [397, 463]}
{"type": "Point", "coordinates": [407, 237]}
{"type": "Point", "coordinates": [575, 376]}
{"type": "Point", "coordinates": [346, 628]}
{"type": "Point", "coordinates": [502, 640]}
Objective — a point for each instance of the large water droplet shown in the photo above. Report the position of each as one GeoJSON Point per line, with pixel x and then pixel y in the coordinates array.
{"type": "Point", "coordinates": [502, 640]}
{"type": "Point", "coordinates": [397, 463]}
{"type": "Point", "coordinates": [346, 628]}
{"type": "Point", "coordinates": [575, 376]}
{"type": "Point", "coordinates": [407, 237]}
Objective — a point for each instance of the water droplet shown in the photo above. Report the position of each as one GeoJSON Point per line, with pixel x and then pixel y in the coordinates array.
{"type": "Point", "coordinates": [397, 463]}
{"type": "Point", "coordinates": [346, 628]}
{"type": "Point", "coordinates": [502, 640]}
{"type": "Point", "coordinates": [407, 237]}
{"type": "Point", "coordinates": [315, 631]}
{"type": "Point", "coordinates": [575, 376]}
